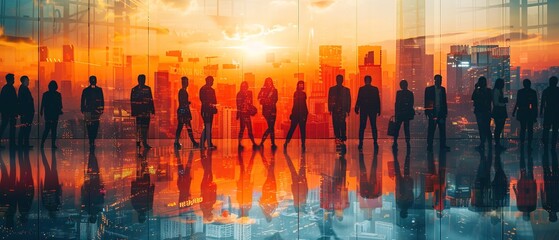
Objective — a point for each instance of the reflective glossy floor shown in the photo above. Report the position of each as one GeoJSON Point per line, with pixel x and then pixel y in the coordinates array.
{"type": "Point", "coordinates": [119, 192]}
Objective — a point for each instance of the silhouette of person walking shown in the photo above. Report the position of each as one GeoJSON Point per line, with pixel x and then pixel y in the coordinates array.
{"type": "Point", "coordinates": [368, 106]}
{"type": "Point", "coordinates": [499, 112]}
{"type": "Point", "coordinates": [436, 110]}
{"type": "Point", "coordinates": [245, 109]}
{"type": "Point", "coordinates": [404, 112]}
{"type": "Point", "coordinates": [549, 193]}
{"type": "Point", "coordinates": [482, 109]}
{"type": "Point", "coordinates": [9, 109]}
{"type": "Point", "coordinates": [268, 97]}
{"type": "Point", "coordinates": [245, 184]}
{"type": "Point", "coordinates": [209, 109]}
{"type": "Point", "coordinates": [51, 109]}
{"type": "Point", "coordinates": [299, 114]}
{"type": "Point", "coordinates": [548, 109]}
{"type": "Point", "coordinates": [141, 101]}
{"type": "Point", "coordinates": [142, 189]}
{"type": "Point", "coordinates": [268, 201]}
{"type": "Point", "coordinates": [92, 106]}
{"type": "Point", "coordinates": [339, 106]}
{"type": "Point", "coordinates": [26, 111]}
{"type": "Point", "coordinates": [184, 115]}
{"type": "Point", "coordinates": [526, 111]}
{"type": "Point", "coordinates": [208, 186]}
{"type": "Point", "coordinates": [299, 183]}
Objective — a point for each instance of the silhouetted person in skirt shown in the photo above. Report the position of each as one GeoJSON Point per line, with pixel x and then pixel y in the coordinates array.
{"type": "Point", "coordinates": [268, 97]}
{"type": "Point", "coordinates": [526, 111]}
{"type": "Point", "coordinates": [299, 114]}
{"type": "Point", "coordinates": [51, 109]}
{"type": "Point", "coordinates": [184, 115]}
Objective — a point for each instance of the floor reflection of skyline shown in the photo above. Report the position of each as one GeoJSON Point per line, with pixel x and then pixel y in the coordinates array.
{"type": "Point", "coordinates": [118, 191]}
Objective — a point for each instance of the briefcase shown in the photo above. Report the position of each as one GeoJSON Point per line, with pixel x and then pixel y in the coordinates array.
{"type": "Point", "coordinates": [392, 127]}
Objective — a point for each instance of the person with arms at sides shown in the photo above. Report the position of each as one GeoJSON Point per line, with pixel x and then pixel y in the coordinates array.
{"type": "Point", "coordinates": [339, 105]}
{"type": "Point", "coordinates": [526, 189]}
{"type": "Point", "coordinates": [268, 97]}
{"type": "Point", "coordinates": [8, 99]}
{"type": "Point", "coordinates": [499, 112]}
{"type": "Point", "coordinates": [526, 111]}
{"type": "Point", "coordinates": [548, 190]}
{"type": "Point", "coordinates": [299, 114]}
{"type": "Point", "coordinates": [26, 111]}
{"type": "Point", "coordinates": [436, 110]}
{"type": "Point", "coordinates": [245, 109]}
{"type": "Point", "coordinates": [142, 189]}
{"type": "Point", "coordinates": [482, 109]}
{"type": "Point", "coordinates": [209, 109]}
{"type": "Point", "coordinates": [51, 109]}
{"type": "Point", "coordinates": [404, 112]}
{"type": "Point", "coordinates": [184, 115]}
{"type": "Point", "coordinates": [92, 106]}
{"type": "Point", "coordinates": [141, 101]}
{"type": "Point", "coordinates": [549, 111]}
{"type": "Point", "coordinates": [368, 106]}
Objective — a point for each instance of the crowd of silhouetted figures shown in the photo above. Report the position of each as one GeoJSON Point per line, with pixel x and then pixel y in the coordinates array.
{"type": "Point", "coordinates": [488, 104]}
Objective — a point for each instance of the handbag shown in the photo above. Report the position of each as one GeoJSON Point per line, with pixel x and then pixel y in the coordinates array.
{"type": "Point", "coordinates": [392, 127]}
{"type": "Point", "coordinates": [252, 110]}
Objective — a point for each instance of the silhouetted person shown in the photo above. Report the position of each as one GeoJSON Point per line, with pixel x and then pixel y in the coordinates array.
{"type": "Point", "coordinates": [268, 201]}
{"type": "Point", "coordinates": [526, 111]}
{"type": "Point", "coordinates": [525, 189]}
{"type": "Point", "coordinates": [93, 189]}
{"type": "Point", "coordinates": [339, 106]}
{"type": "Point", "coordinates": [9, 109]}
{"type": "Point", "coordinates": [51, 109]}
{"type": "Point", "coordinates": [26, 111]}
{"type": "Point", "coordinates": [404, 185]}
{"type": "Point", "coordinates": [8, 196]}
{"type": "Point", "coordinates": [480, 200]}
{"type": "Point", "coordinates": [92, 106]}
{"type": "Point", "coordinates": [370, 186]}
{"type": "Point", "coordinates": [549, 193]}
{"type": "Point", "coordinates": [299, 114]}
{"type": "Point", "coordinates": [245, 109]}
{"type": "Point", "coordinates": [500, 185]}
{"type": "Point", "coordinates": [299, 183]}
{"type": "Point", "coordinates": [436, 110]}
{"type": "Point", "coordinates": [245, 184]}
{"type": "Point", "coordinates": [499, 112]}
{"type": "Point", "coordinates": [184, 116]}
{"type": "Point", "coordinates": [368, 106]}
{"type": "Point", "coordinates": [208, 186]}
{"type": "Point", "coordinates": [209, 109]}
{"type": "Point", "coordinates": [51, 189]}
{"type": "Point", "coordinates": [25, 188]}
{"type": "Point", "coordinates": [549, 111]}
{"type": "Point", "coordinates": [141, 101]}
{"type": "Point", "coordinates": [440, 185]}
{"type": "Point", "coordinates": [142, 189]}
{"type": "Point", "coordinates": [403, 112]}
{"type": "Point", "coordinates": [482, 109]}
{"type": "Point", "coordinates": [184, 180]}
{"type": "Point", "coordinates": [268, 97]}
{"type": "Point", "coordinates": [334, 196]}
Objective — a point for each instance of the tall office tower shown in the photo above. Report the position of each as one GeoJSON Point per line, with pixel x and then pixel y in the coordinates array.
{"type": "Point", "coordinates": [372, 67]}
{"type": "Point", "coordinates": [458, 62]}
{"type": "Point", "coordinates": [163, 100]}
{"type": "Point", "coordinates": [330, 61]}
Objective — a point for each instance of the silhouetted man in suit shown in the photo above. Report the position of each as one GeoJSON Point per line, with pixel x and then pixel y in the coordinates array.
{"type": "Point", "coordinates": [141, 101]}
{"type": "Point", "coordinates": [436, 110]}
{"type": "Point", "coordinates": [527, 108]}
{"type": "Point", "coordinates": [92, 106]}
{"type": "Point", "coordinates": [9, 109]}
{"type": "Point", "coordinates": [548, 109]}
{"type": "Point", "coordinates": [26, 111]}
{"type": "Point", "coordinates": [209, 103]}
{"type": "Point", "coordinates": [368, 106]}
{"type": "Point", "coordinates": [339, 105]}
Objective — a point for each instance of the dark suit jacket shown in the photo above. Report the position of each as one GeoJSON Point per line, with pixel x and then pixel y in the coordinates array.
{"type": "Point", "coordinates": [25, 101]}
{"type": "Point", "coordinates": [368, 100]}
{"type": "Point", "coordinates": [51, 105]}
{"type": "Point", "coordinates": [8, 100]}
{"type": "Point", "coordinates": [404, 105]}
{"type": "Point", "coordinates": [208, 99]}
{"type": "Point", "coordinates": [92, 100]}
{"type": "Point", "coordinates": [339, 100]}
{"type": "Point", "coordinates": [141, 101]}
{"type": "Point", "coordinates": [526, 106]}
{"type": "Point", "coordinates": [550, 105]}
{"type": "Point", "coordinates": [429, 103]}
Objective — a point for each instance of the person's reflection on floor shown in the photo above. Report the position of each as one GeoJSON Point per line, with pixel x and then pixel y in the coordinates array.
{"type": "Point", "coordinates": [208, 186]}
{"type": "Point", "coordinates": [325, 227]}
{"type": "Point", "coordinates": [142, 189]}
{"type": "Point", "coordinates": [245, 185]}
{"type": "Point", "coordinates": [93, 189]}
{"type": "Point", "coordinates": [549, 191]}
{"type": "Point", "coordinates": [25, 188]}
{"type": "Point", "coordinates": [184, 180]}
{"type": "Point", "coordinates": [438, 179]}
{"type": "Point", "coordinates": [525, 189]}
{"type": "Point", "coordinates": [8, 199]}
{"type": "Point", "coordinates": [299, 184]}
{"type": "Point", "coordinates": [51, 190]}
{"type": "Point", "coordinates": [404, 185]}
{"type": "Point", "coordinates": [269, 201]}
{"type": "Point", "coordinates": [499, 187]}
{"type": "Point", "coordinates": [370, 186]}
{"type": "Point", "coordinates": [480, 200]}
{"type": "Point", "coordinates": [334, 190]}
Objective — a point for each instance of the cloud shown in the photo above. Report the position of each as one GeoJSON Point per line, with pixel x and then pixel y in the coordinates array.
{"type": "Point", "coordinates": [180, 4]}
{"type": "Point", "coordinates": [321, 4]}
{"type": "Point", "coordinates": [250, 31]}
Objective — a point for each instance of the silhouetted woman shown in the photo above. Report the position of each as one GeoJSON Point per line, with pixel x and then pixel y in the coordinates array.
{"type": "Point", "coordinates": [51, 109]}
{"type": "Point", "coordinates": [51, 189]}
{"type": "Point", "coordinates": [404, 112]}
{"type": "Point", "coordinates": [245, 110]}
{"type": "Point", "coordinates": [268, 201]}
{"type": "Point", "coordinates": [527, 108]}
{"type": "Point", "coordinates": [499, 111]}
{"type": "Point", "coordinates": [268, 97]}
{"type": "Point", "coordinates": [184, 115]}
{"type": "Point", "coordinates": [482, 110]}
{"type": "Point", "coordinates": [299, 183]}
{"type": "Point", "coordinates": [299, 114]}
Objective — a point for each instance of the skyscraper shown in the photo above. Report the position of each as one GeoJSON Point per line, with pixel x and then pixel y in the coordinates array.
{"type": "Point", "coordinates": [458, 62]}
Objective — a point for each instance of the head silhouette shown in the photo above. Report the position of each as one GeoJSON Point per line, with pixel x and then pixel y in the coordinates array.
{"type": "Point", "coordinates": [244, 86]}
{"type": "Point", "coordinates": [53, 86]}
{"type": "Point", "coordinates": [499, 83]}
{"type": "Point", "coordinates": [184, 81]}
{"type": "Point", "coordinates": [339, 79]}
{"type": "Point", "coordinates": [142, 80]}
{"type": "Point", "coordinates": [268, 83]}
{"type": "Point", "coordinates": [404, 85]}
{"type": "Point", "coordinates": [481, 82]}
{"type": "Point", "coordinates": [300, 85]}
{"type": "Point", "coordinates": [553, 81]}
{"type": "Point", "coordinates": [368, 80]}
{"type": "Point", "coordinates": [438, 80]}
{"type": "Point", "coordinates": [93, 80]}
{"type": "Point", "coordinates": [209, 81]}
{"type": "Point", "coordinates": [10, 79]}
{"type": "Point", "coordinates": [527, 83]}
{"type": "Point", "coordinates": [24, 80]}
